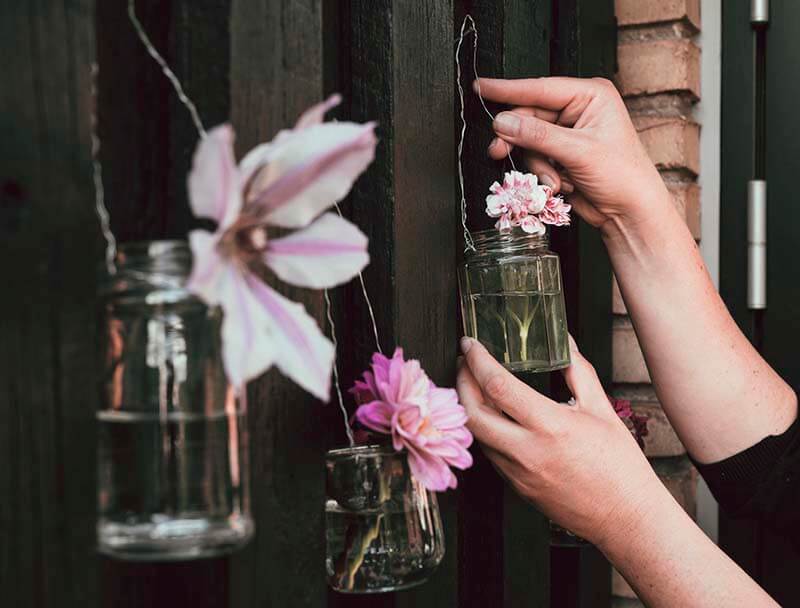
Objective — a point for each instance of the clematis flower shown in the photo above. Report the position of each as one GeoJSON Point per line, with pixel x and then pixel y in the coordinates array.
{"type": "Point", "coordinates": [518, 201]}
{"type": "Point", "coordinates": [287, 183]}
{"type": "Point", "coordinates": [397, 398]}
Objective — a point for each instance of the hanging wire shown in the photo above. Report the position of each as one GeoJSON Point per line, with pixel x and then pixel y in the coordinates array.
{"type": "Point", "coordinates": [473, 29]}
{"type": "Point", "coordinates": [336, 383]}
{"type": "Point", "coordinates": [176, 84]}
{"type": "Point", "coordinates": [97, 177]}
{"type": "Point", "coordinates": [366, 299]}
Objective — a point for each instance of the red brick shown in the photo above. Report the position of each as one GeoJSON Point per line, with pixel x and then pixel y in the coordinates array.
{"type": "Point", "coordinates": [647, 12]}
{"type": "Point", "coordinates": [658, 66]}
{"type": "Point", "coordinates": [629, 366]}
{"type": "Point", "coordinates": [680, 478]}
{"type": "Point", "coordinates": [687, 201]}
{"type": "Point", "coordinates": [672, 143]}
{"type": "Point", "coordinates": [661, 440]}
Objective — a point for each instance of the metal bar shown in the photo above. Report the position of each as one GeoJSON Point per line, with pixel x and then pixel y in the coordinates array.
{"type": "Point", "coordinates": [759, 12]}
{"type": "Point", "coordinates": [757, 244]}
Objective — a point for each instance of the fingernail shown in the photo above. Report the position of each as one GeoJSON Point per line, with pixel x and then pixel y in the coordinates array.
{"type": "Point", "coordinates": [506, 123]}
{"type": "Point", "coordinates": [548, 181]}
{"type": "Point", "coordinates": [466, 344]}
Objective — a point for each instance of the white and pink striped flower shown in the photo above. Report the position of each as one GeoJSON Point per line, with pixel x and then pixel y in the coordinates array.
{"type": "Point", "coordinates": [288, 183]}
{"type": "Point", "coordinates": [522, 201]}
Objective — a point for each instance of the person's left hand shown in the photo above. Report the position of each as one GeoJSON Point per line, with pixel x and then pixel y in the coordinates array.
{"type": "Point", "coordinates": [579, 463]}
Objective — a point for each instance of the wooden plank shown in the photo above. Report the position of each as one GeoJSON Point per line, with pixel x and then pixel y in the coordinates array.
{"type": "Point", "coordinates": [148, 139]}
{"type": "Point", "coordinates": [276, 73]}
{"type": "Point", "coordinates": [47, 247]}
{"type": "Point", "coordinates": [584, 45]}
{"type": "Point", "coordinates": [425, 226]}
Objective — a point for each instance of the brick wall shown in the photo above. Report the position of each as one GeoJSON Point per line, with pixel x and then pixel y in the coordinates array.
{"type": "Point", "coordinates": [659, 77]}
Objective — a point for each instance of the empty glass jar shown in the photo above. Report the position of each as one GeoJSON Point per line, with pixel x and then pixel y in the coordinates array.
{"type": "Point", "coordinates": [383, 529]}
{"type": "Point", "coordinates": [512, 300]}
{"type": "Point", "coordinates": [172, 441]}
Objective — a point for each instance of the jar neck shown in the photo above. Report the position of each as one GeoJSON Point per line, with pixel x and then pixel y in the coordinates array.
{"type": "Point", "coordinates": [150, 265]}
{"type": "Point", "coordinates": [514, 240]}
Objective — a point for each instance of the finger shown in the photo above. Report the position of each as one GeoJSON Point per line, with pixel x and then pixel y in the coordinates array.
{"type": "Point", "coordinates": [585, 209]}
{"type": "Point", "coordinates": [515, 398]}
{"type": "Point", "coordinates": [544, 170]}
{"type": "Point", "coordinates": [581, 378]}
{"type": "Point", "coordinates": [486, 424]}
{"type": "Point", "coordinates": [532, 133]}
{"type": "Point", "coordinates": [553, 93]}
{"type": "Point", "coordinates": [499, 149]}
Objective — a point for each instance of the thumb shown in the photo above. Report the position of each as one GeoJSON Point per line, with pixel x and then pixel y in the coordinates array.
{"type": "Point", "coordinates": [532, 133]}
{"type": "Point", "coordinates": [582, 380]}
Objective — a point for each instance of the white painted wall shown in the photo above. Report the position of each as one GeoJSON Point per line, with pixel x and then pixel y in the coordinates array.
{"type": "Point", "coordinates": [708, 114]}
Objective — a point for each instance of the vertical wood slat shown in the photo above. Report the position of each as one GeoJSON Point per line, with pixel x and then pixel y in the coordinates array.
{"type": "Point", "coordinates": [277, 71]}
{"type": "Point", "coordinates": [584, 44]}
{"type": "Point", "coordinates": [504, 552]}
{"type": "Point", "coordinates": [47, 239]}
{"type": "Point", "coordinates": [396, 68]}
{"type": "Point", "coordinates": [147, 142]}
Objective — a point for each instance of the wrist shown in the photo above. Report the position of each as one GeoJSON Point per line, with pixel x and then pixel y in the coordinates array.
{"type": "Point", "coordinates": [641, 521]}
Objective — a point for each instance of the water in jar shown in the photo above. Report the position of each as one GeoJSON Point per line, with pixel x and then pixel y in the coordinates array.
{"type": "Point", "coordinates": [516, 310]}
{"type": "Point", "coordinates": [170, 486]}
{"type": "Point", "coordinates": [383, 529]}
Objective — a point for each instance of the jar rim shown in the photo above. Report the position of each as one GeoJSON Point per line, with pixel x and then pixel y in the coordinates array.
{"type": "Point", "coordinates": [493, 240]}
{"type": "Point", "coordinates": [360, 450]}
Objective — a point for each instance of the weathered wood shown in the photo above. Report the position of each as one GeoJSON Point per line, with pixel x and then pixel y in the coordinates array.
{"type": "Point", "coordinates": [276, 73]}
{"type": "Point", "coordinates": [48, 243]}
{"type": "Point", "coordinates": [584, 44]}
{"type": "Point", "coordinates": [148, 138]}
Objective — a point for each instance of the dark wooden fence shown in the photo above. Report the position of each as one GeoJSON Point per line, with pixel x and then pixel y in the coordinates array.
{"type": "Point", "coordinates": [259, 63]}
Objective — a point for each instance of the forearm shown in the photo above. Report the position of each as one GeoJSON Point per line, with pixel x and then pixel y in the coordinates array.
{"type": "Point", "coordinates": [719, 394]}
{"type": "Point", "coordinates": [669, 561]}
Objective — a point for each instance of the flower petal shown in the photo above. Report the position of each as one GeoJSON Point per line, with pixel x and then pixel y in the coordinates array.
{"type": "Point", "coordinates": [306, 356]}
{"type": "Point", "coordinates": [331, 251]}
{"type": "Point", "coordinates": [213, 183]}
{"type": "Point", "coordinates": [376, 416]}
{"type": "Point", "coordinates": [247, 352]}
{"type": "Point", "coordinates": [207, 267]}
{"type": "Point", "coordinates": [316, 113]}
{"type": "Point", "coordinates": [312, 169]}
{"type": "Point", "coordinates": [430, 470]}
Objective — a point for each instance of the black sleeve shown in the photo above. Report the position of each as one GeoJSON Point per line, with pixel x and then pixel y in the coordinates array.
{"type": "Point", "coordinates": [762, 482]}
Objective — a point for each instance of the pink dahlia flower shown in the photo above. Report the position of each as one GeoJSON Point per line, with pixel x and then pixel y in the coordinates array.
{"type": "Point", "coordinates": [522, 201]}
{"type": "Point", "coordinates": [397, 398]}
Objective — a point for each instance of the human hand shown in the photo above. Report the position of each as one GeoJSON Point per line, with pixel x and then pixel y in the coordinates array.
{"type": "Point", "coordinates": [579, 464]}
{"type": "Point", "coordinates": [583, 126]}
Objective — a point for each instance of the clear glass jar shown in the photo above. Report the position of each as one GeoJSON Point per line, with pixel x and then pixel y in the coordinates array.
{"type": "Point", "coordinates": [173, 476]}
{"type": "Point", "coordinates": [512, 300]}
{"type": "Point", "coordinates": [382, 527]}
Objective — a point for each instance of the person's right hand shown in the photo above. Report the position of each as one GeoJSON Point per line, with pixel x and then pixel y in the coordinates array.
{"type": "Point", "coordinates": [583, 125]}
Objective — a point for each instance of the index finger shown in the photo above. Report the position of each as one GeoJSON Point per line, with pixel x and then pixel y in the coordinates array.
{"type": "Point", "coordinates": [551, 93]}
{"type": "Point", "coordinates": [506, 392]}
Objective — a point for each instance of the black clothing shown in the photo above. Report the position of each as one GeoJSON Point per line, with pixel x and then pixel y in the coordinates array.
{"type": "Point", "coordinates": [762, 482]}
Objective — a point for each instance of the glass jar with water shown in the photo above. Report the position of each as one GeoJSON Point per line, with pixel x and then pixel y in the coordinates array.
{"type": "Point", "coordinates": [512, 300]}
{"type": "Point", "coordinates": [383, 529]}
{"type": "Point", "coordinates": [172, 457]}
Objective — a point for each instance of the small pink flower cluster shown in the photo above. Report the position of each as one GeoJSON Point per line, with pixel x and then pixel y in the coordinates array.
{"type": "Point", "coordinates": [397, 398]}
{"type": "Point", "coordinates": [636, 423]}
{"type": "Point", "coordinates": [522, 201]}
